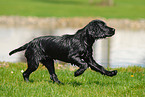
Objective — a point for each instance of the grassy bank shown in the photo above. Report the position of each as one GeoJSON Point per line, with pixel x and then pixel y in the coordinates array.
{"type": "Point", "coordinates": [129, 82]}
{"type": "Point", "coordinates": [133, 9]}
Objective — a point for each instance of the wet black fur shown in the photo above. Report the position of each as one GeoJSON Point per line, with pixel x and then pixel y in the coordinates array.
{"type": "Point", "coordinates": [75, 49]}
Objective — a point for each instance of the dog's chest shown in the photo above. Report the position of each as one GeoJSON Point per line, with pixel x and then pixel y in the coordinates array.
{"type": "Point", "coordinates": [87, 52]}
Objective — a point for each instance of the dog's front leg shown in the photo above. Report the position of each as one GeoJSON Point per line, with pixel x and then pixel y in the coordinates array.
{"type": "Point", "coordinates": [80, 63]}
{"type": "Point", "coordinates": [95, 66]}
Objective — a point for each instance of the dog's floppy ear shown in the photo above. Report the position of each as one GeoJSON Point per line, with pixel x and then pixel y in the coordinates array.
{"type": "Point", "coordinates": [92, 30]}
{"type": "Point", "coordinates": [81, 32]}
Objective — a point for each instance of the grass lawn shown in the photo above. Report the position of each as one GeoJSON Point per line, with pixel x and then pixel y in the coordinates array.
{"type": "Point", "coordinates": [133, 9]}
{"type": "Point", "coordinates": [129, 82]}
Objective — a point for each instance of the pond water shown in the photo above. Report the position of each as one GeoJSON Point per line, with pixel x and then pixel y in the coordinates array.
{"type": "Point", "coordinates": [125, 48]}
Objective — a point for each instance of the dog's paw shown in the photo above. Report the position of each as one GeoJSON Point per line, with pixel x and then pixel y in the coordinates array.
{"type": "Point", "coordinates": [26, 78]}
{"type": "Point", "coordinates": [59, 82]}
{"type": "Point", "coordinates": [55, 79]}
{"type": "Point", "coordinates": [111, 73]}
{"type": "Point", "coordinates": [76, 74]}
{"type": "Point", "coordinates": [79, 72]}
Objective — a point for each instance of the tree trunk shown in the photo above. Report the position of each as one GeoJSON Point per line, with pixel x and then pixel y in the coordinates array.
{"type": "Point", "coordinates": [104, 2]}
{"type": "Point", "coordinates": [91, 1]}
{"type": "Point", "coordinates": [108, 2]}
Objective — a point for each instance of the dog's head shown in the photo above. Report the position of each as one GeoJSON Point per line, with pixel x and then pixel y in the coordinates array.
{"type": "Point", "coordinates": [98, 29]}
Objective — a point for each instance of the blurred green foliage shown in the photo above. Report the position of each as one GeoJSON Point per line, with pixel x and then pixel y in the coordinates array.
{"type": "Point", "coordinates": [133, 9]}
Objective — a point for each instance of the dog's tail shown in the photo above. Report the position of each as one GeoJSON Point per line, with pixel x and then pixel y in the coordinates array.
{"type": "Point", "coordinates": [19, 49]}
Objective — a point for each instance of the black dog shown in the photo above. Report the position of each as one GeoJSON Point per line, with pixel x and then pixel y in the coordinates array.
{"type": "Point", "coordinates": [75, 49]}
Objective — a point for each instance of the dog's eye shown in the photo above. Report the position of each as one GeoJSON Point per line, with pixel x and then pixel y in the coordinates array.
{"type": "Point", "coordinates": [102, 25]}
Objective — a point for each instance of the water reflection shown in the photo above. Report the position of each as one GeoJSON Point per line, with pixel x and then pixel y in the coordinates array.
{"type": "Point", "coordinates": [123, 49]}
{"type": "Point", "coordinates": [126, 48]}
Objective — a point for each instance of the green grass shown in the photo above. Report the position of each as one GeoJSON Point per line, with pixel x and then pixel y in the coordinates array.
{"type": "Point", "coordinates": [129, 82]}
{"type": "Point", "coordinates": [133, 9]}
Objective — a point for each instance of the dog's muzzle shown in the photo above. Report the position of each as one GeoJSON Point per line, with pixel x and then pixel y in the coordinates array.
{"type": "Point", "coordinates": [111, 32]}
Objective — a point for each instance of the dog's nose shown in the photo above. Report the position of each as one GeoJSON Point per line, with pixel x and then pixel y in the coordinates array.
{"type": "Point", "coordinates": [113, 30]}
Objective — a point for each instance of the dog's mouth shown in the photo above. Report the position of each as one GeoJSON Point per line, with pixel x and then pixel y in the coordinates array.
{"type": "Point", "coordinates": [110, 33]}
{"type": "Point", "coordinates": [104, 35]}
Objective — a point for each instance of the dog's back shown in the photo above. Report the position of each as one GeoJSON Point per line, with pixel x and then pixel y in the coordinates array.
{"type": "Point", "coordinates": [54, 47]}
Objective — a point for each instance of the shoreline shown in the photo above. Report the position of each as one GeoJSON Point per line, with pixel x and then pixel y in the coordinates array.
{"type": "Point", "coordinates": [75, 22]}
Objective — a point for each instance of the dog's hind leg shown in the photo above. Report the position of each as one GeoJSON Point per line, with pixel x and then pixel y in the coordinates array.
{"type": "Point", "coordinates": [49, 64]}
{"type": "Point", "coordinates": [32, 66]}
